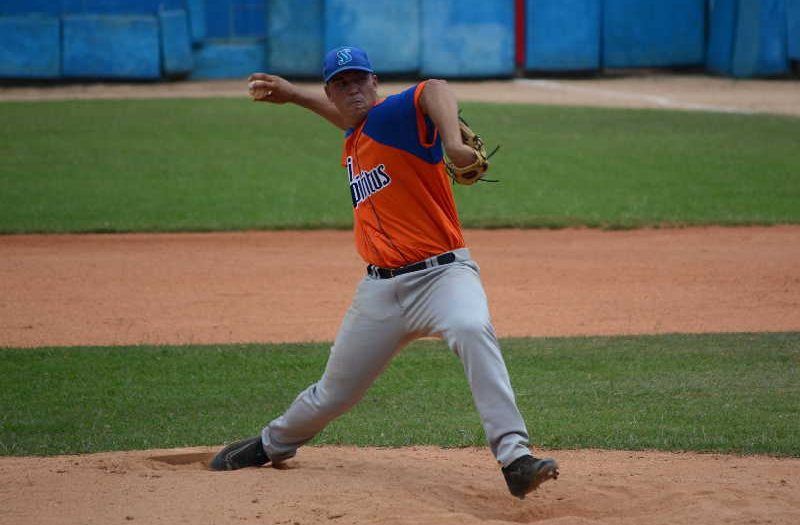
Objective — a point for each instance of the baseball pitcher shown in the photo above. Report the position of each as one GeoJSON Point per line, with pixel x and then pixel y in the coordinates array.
{"type": "Point", "coordinates": [400, 154]}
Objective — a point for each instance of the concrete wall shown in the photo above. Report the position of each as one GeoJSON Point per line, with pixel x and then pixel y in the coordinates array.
{"type": "Point", "coordinates": [156, 39]}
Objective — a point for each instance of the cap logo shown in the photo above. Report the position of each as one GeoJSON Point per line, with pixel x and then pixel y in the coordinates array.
{"type": "Point", "coordinates": [343, 56]}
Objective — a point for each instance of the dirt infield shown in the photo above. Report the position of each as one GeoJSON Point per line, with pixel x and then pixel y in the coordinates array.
{"type": "Point", "coordinates": [290, 286]}
{"type": "Point", "coordinates": [295, 286]}
{"type": "Point", "coordinates": [281, 286]}
{"type": "Point", "coordinates": [410, 486]}
{"type": "Point", "coordinates": [634, 89]}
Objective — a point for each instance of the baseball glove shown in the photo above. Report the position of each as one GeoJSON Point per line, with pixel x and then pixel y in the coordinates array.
{"type": "Point", "coordinates": [474, 172]}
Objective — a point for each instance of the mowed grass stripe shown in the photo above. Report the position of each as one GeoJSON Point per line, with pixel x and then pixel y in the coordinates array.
{"type": "Point", "coordinates": [735, 393]}
{"type": "Point", "coordinates": [230, 164]}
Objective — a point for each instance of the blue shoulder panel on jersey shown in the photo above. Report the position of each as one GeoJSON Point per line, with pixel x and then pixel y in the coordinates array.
{"type": "Point", "coordinates": [394, 123]}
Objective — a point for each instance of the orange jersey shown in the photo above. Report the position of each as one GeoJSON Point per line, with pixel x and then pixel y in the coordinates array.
{"type": "Point", "coordinates": [403, 204]}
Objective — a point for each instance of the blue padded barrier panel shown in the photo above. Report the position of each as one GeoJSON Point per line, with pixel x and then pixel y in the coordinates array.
{"type": "Point", "coordinates": [176, 42]}
{"type": "Point", "coordinates": [760, 44]}
{"type": "Point", "coordinates": [30, 47]}
{"type": "Point", "coordinates": [218, 18]}
{"type": "Point", "coordinates": [27, 7]}
{"type": "Point", "coordinates": [235, 19]}
{"type": "Point", "coordinates": [562, 35]}
{"type": "Point", "coordinates": [119, 7]}
{"type": "Point", "coordinates": [474, 42]}
{"type": "Point", "coordinates": [197, 19]}
{"type": "Point", "coordinates": [721, 34]}
{"type": "Point", "coordinates": [387, 30]}
{"type": "Point", "coordinates": [793, 28]}
{"type": "Point", "coordinates": [228, 59]}
{"type": "Point", "coordinates": [110, 46]}
{"type": "Point", "coordinates": [653, 33]}
{"type": "Point", "coordinates": [295, 43]}
{"type": "Point", "coordinates": [748, 38]}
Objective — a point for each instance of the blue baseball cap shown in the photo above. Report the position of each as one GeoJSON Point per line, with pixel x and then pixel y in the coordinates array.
{"type": "Point", "coordinates": [345, 58]}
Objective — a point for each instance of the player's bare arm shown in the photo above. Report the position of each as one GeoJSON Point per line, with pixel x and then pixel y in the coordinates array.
{"type": "Point", "coordinates": [263, 87]}
{"type": "Point", "coordinates": [440, 104]}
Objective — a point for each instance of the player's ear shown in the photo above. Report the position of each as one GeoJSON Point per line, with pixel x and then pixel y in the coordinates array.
{"type": "Point", "coordinates": [328, 92]}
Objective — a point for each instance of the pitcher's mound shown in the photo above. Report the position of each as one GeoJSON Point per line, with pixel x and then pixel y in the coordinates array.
{"type": "Point", "coordinates": [421, 485]}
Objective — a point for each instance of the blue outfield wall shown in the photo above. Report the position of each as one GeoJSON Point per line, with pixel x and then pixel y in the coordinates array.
{"type": "Point", "coordinates": [425, 38]}
{"type": "Point", "coordinates": [475, 42]}
{"type": "Point", "coordinates": [27, 7]}
{"type": "Point", "coordinates": [229, 59]}
{"type": "Point", "coordinates": [295, 43]}
{"type": "Point", "coordinates": [30, 47]}
{"type": "Point", "coordinates": [721, 36]}
{"type": "Point", "coordinates": [176, 42]}
{"type": "Point", "coordinates": [95, 7]}
{"type": "Point", "coordinates": [793, 28]}
{"type": "Point", "coordinates": [653, 33]}
{"type": "Point", "coordinates": [229, 19]}
{"type": "Point", "coordinates": [197, 19]}
{"type": "Point", "coordinates": [760, 48]}
{"type": "Point", "coordinates": [111, 46]}
{"type": "Point", "coordinates": [749, 38]}
{"type": "Point", "coordinates": [562, 35]}
{"type": "Point", "coordinates": [388, 30]}
{"type": "Point", "coordinates": [117, 7]}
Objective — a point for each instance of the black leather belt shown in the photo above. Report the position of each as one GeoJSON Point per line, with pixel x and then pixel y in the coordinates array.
{"type": "Point", "coordinates": [388, 273]}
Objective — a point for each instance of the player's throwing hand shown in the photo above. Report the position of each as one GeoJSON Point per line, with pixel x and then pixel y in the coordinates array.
{"type": "Point", "coordinates": [269, 88]}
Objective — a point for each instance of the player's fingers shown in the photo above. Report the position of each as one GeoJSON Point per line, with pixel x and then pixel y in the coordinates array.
{"type": "Point", "coordinates": [260, 89]}
{"type": "Point", "coordinates": [257, 76]}
{"type": "Point", "coordinates": [259, 86]}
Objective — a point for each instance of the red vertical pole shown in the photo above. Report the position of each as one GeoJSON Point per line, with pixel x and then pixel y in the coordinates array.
{"type": "Point", "coordinates": [519, 31]}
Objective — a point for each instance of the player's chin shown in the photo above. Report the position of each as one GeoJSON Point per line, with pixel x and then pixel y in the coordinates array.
{"type": "Point", "coordinates": [357, 105]}
{"type": "Point", "coordinates": [358, 111]}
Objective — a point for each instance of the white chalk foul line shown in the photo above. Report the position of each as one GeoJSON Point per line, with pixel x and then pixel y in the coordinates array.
{"type": "Point", "coordinates": [654, 100]}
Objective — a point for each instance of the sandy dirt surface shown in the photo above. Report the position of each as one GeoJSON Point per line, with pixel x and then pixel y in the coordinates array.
{"type": "Point", "coordinates": [409, 486]}
{"type": "Point", "coordinates": [633, 90]}
{"type": "Point", "coordinates": [295, 286]}
{"type": "Point", "coordinates": [284, 286]}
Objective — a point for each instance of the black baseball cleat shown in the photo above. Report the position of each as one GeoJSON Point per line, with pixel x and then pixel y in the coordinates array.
{"type": "Point", "coordinates": [245, 453]}
{"type": "Point", "coordinates": [525, 474]}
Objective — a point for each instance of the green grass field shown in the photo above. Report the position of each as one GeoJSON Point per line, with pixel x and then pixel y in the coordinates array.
{"type": "Point", "coordinates": [228, 164]}
{"type": "Point", "coordinates": [214, 164]}
{"type": "Point", "coordinates": [728, 393]}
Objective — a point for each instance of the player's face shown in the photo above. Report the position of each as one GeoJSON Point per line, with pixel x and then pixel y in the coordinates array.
{"type": "Point", "coordinates": [353, 93]}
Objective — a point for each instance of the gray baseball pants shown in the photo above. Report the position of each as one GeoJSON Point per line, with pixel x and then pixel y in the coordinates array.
{"type": "Point", "coordinates": [447, 301]}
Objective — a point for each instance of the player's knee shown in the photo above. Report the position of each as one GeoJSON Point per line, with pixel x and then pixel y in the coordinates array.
{"type": "Point", "coordinates": [469, 327]}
